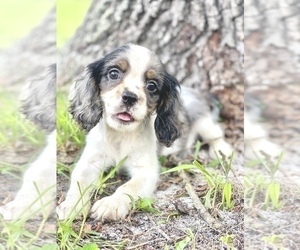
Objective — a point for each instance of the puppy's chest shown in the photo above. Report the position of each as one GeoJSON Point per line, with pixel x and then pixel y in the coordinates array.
{"type": "Point", "coordinates": [117, 148]}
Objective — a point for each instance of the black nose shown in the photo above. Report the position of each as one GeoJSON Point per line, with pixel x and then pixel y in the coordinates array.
{"type": "Point", "coordinates": [129, 98]}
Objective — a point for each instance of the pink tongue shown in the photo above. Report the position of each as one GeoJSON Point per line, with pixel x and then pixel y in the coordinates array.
{"type": "Point", "coordinates": [124, 117]}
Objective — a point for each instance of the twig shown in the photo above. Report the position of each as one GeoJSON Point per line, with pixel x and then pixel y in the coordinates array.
{"type": "Point", "coordinates": [142, 244]}
{"type": "Point", "coordinates": [205, 215]}
{"type": "Point", "coordinates": [159, 230]}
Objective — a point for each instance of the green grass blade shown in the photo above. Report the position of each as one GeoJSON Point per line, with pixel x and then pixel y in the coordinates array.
{"type": "Point", "coordinates": [178, 168]}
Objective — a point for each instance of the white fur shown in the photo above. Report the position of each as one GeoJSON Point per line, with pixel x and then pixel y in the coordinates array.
{"type": "Point", "coordinates": [106, 147]}
{"type": "Point", "coordinates": [111, 140]}
{"type": "Point", "coordinates": [37, 193]}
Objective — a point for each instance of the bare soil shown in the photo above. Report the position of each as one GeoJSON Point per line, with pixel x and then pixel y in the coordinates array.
{"type": "Point", "coordinates": [178, 219]}
{"type": "Point", "coordinates": [177, 216]}
{"type": "Point", "coordinates": [278, 228]}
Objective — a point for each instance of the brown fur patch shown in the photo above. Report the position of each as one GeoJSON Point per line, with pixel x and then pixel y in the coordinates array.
{"type": "Point", "coordinates": [151, 74]}
{"type": "Point", "coordinates": [123, 65]}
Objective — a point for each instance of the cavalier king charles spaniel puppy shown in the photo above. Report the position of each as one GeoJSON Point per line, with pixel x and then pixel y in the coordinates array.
{"type": "Point", "coordinates": [37, 193]}
{"type": "Point", "coordinates": [131, 105]}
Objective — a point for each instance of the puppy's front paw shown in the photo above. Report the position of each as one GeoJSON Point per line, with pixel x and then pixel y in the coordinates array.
{"type": "Point", "coordinates": [25, 207]}
{"type": "Point", "coordinates": [219, 145]}
{"type": "Point", "coordinates": [72, 207]}
{"type": "Point", "coordinates": [13, 210]}
{"type": "Point", "coordinates": [114, 207]}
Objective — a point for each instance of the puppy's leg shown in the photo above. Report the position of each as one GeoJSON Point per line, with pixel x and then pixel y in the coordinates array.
{"type": "Point", "coordinates": [37, 192]}
{"type": "Point", "coordinates": [84, 177]}
{"type": "Point", "coordinates": [212, 133]}
{"type": "Point", "coordinates": [144, 177]}
{"type": "Point", "coordinates": [83, 180]}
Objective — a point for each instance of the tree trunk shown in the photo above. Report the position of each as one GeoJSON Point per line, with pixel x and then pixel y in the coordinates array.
{"type": "Point", "coordinates": [272, 76]}
{"type": "Point", "coordinates": [200, 42]}
{"type": "Point", "coordinates": [272, 38]}
{"type": "Point", "coordinates": [272, 66]}
{"type": "Point", "coordinates": [31, 55]}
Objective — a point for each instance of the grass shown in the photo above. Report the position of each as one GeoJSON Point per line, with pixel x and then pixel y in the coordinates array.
{"type": "Point", "coordinates": [24, 232]}
{"type": "Point", "coordinates": [218, 184]}
{"type": "Point", "coordinates": [266, 186]}
{"type": "Point", "coordinates": [70, 15]}
{"type": "Point", "coordinates": [219, 194]}
{"type": "Point", "coordinates": [11, 169]}
{"type": "Point", "coordinates": [16, 236]}
{"type": "Point", "coordinates": [16, 134]}
{"type": "Point", "coordinates": [17, 18]}
{"type": "Point", "coordinates": [228, 241]}
{"type": "Point", "coordinates": [70, 137]}
{"type": "Point", "coordinates": [142, 205]}
{"type": "Point", "coordinates": [275, 241]}
{"type": "Point", "coordinates": [68, 133]}
{"type": "Point", "coordinates": [69, 238]}
{"type": "Point", "coordinates": [189, 238]}
{"type": "Point", "coordinates": [13, 127]}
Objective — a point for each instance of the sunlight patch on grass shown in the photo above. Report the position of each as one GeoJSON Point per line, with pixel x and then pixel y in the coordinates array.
{"type": "Point", "coordinates": [70, 14]}
{"type": "Point", "coordinates": [17, 18]}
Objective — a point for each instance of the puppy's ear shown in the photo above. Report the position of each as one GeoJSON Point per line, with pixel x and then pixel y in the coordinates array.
{"type": "Point", "coordinates": [85, 101]}
{"type": "Point", "coordinates": [38, 99]}
{"type": "Point", "coordinates": [167, 124]}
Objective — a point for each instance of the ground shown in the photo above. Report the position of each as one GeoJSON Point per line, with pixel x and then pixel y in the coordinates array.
{"type": "Point", "coordinates": [177, 220]}
{"type": "Point", "coordinates": [180, 222]}
{"type": "Point", "coordinates": [277, 228]}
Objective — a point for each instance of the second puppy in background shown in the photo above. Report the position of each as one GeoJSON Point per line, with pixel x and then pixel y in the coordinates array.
{"type": "Point", "coordinates": [130, 104]}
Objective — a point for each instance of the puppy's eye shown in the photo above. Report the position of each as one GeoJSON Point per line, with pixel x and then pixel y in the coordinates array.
{"type": "Point", "coordinates": [114, 74]}
{"type": "Point", "coordinates": [151, 86]}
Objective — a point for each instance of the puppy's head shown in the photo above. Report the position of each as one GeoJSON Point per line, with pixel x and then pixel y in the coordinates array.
{"type": "Point", "coordinates": [125, 88]}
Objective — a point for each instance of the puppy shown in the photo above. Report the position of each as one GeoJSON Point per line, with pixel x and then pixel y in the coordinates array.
{"type": "Point", "coordinates": [198, 115]}
{"type": "Point", "coordinates": [129, 102]}
{"type": "Point", "coordinates": [37, 192]}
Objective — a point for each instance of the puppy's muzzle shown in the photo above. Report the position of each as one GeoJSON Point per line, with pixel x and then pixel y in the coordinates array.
{"type": "Point", "coordinates": [129, 98]}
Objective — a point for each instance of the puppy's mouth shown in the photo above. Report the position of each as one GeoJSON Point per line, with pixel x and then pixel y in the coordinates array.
{"type": "Point", "coordinates": [124, 117]}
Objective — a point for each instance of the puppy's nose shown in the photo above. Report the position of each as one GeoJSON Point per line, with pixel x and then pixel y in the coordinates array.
{"type": "Point", "coordinates": [129, 98]}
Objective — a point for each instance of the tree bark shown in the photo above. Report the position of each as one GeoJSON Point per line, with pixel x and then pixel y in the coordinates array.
{"type": "Point", "coordinates": [272, 42]}
{"type": "Point", "coordinates": [272, 66]}
{"type": "Point", "coordinates": [200, 42]}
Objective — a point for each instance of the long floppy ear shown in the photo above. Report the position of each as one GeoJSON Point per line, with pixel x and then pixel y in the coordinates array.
{"type": "Point", "coordinates": [38, 99]}
{"type": "Point", "coordinates": [85, 101]}
{"type": "Point", "coordinates": [167, 124]}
